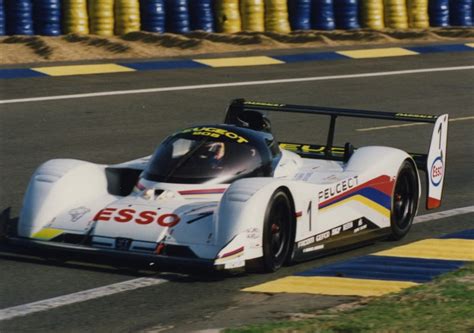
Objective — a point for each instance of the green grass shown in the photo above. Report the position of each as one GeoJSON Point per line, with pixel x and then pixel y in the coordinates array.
{"type": "Point", "coordinates": [443, 305]}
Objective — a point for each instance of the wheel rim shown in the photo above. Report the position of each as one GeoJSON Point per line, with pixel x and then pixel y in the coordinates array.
{"type": "Point", "coordinates": [403, 200]}
{"type": "Point", "coordinates": [279, 233]}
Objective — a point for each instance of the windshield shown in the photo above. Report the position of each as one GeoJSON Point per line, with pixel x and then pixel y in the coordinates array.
{"type": "Point", "coordinates": [194, 157]}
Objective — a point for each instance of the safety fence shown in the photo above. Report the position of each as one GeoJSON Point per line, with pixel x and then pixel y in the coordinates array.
{"type": "Point", "coordinates": [117, 17]}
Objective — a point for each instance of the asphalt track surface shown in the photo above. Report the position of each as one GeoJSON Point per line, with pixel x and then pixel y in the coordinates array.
{"type": "Point", "coordinates": [118, 128]}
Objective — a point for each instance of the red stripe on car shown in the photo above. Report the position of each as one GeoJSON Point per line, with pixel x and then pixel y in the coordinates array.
{"type": "Point", "coordinates": [228, 254]}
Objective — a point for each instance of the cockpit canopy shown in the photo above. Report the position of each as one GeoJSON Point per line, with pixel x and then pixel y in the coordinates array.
{"type": "Point", "coordinates": [213, 155]}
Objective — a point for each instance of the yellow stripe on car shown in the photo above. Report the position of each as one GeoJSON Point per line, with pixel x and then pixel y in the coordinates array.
{"type": "Point", "coordinates": [363, 200]}
{"type": "Point", "coordinates": [47, 233]}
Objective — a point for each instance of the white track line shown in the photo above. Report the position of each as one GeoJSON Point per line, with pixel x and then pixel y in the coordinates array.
{"type": "Point", "coordinates": [407, 125]}
{"type": "Point", "coordinates": [81, 296]}
{"type": "Point", "coordinates": [86, 295]}
{"type": "Point", "coordinates": [234, 84]}
{"type": "Point", "coordinates": [444, 214]}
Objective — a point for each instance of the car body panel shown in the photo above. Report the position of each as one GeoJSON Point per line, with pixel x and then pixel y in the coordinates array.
{"type": "Point", "coordinates": [338, 199]}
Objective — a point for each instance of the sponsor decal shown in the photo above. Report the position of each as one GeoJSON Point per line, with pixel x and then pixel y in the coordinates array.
{"type": "Point", "coordinates": [347, 226]}
{"type": "Point", "coordinates": [352, 227]}
{"type": "Point", "coordinates": [143, 217]}
{"type": "Point", "coordinates": [436, 174]}
{"type": "Point", "coordinates": [336, 231]}
{"type": "Point", "coordinates": [414, 115]}
{"type": "Point", "coordinates": [253, 233]}
{"type": "Point", "coordinates": [78, 213]}
{"type": "Point", "coordinates": [338, 188]}
{"type": "Point", "coordinates": [323, 236]}
{"type": "Point", "coordinates": [315, 149]}
{"type": "Point", "coordinates": [263, 104]}
{"type": "Point", "coordinates": [313, 248]}
{"type": "Point", "coordinates": [305, 242]}
{"type": "Point", "coordinates": [215, 133]}
{"type": "Point", "coordinates": [362, 227]}
{"type": "Point", "coordinates": [375, 194]}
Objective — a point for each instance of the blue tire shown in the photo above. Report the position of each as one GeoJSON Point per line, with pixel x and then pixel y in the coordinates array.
{"type": "Point", "coordinates": [201, 15]}
{"type": "Point", "coordinates": [19, 15]}
{"type": "Point", "coordinates": [300, 14]}
{"type": "Point", "coordinates": [152, 14]}
{"type": "Point", "coordinates": [439, 13]}
{"type": "Point", "coordinates": [177, 16]}
{"type": "Point", "coordinates": [322, 17]}
{"type": "Point", "coordinates": [47, 17]}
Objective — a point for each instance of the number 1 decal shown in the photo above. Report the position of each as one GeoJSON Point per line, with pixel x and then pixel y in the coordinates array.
{"type": "Point", "coordinates": [309, 211]}
{"type": "Point", "coordinates": [440, 130]}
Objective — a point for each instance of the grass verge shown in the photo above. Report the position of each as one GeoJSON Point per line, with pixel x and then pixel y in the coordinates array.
{"type": "Point", "coordinates": [443, 305]}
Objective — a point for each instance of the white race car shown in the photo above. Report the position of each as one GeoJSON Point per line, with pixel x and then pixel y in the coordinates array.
{"type": "Point", "coordinates": [228, 196]}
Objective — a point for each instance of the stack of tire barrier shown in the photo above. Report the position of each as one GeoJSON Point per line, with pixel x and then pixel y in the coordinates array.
{"type": "Point", "coordinates": [322, 17]}
{"type": "Point", "coordinates": [101, 15]}
{"type": "Point", "coordinates": [19, 14]}
{"type": "Point", "coordinates": [395, 13]}
{"type": "Point", "coordinates": [127, 16]}
{"type": "Point", "coordinates": [300, 14]}
{"type": "Point", "coordinates": [228, 16]}
{"type": "Point", "coordinates": [346, 14]}
{"type": "Point", "coordinates": [177, 16]}
{"type": "Point", "coordinates": [47, 17]}
{"type": "Point", "coordinates": [75, 18]}
{"type": "Point", "coordinates": [418, 14]}
{"type": "Point", "coordinates": [439, 13]}
{"type": "Point", "coordinates": [372, 14]}
{"type": "Point", "coordinates": [253, 15]}
{"type": "Point", "coordinates": [202, 16]}
{"type": "Point", "coordinates": [460, 12]}
{"type": "Point", "coordinates": [152, 13]}
{"type": "Point", "coordinates": [2, 19]}
{"type": "Point", "coordinates": [276, 16]}
{"type": "Point", "coordinates": [109, 17]}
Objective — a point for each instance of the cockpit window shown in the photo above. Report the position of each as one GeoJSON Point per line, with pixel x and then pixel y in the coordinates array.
{"type": "Point", "coordinates": [192, 157]}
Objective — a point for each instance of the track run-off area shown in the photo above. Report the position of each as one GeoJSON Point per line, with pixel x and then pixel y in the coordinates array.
{"type": "Point", "coordinates": [110, 118]}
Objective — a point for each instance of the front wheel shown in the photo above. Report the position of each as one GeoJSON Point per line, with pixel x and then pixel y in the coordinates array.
{"type": "Point", "coordinates": [277, 232]}
{"type": "Point", "coordinates": [404, 201]}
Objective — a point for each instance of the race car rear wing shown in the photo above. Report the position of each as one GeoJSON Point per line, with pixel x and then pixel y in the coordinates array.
{"type": "Point", "coordinates": [249, 114]}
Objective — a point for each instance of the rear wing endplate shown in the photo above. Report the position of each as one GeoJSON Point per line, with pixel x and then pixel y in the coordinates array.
{"type": "Point", "coordinates": [433, 162]}
{"type": "Point", "coordinates": [436, 162]}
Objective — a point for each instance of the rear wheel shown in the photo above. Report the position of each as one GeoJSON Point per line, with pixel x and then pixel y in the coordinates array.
{"type": "Point", "coordinates": [277, 231]}
{"type": "Point", "coordinates": [404, 201]}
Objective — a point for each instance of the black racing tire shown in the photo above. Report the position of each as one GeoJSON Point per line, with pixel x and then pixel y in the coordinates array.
{"type": "Point", "coordinates": [277, 232]}
{"type": "Point", "coordinates": [404, 201]}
